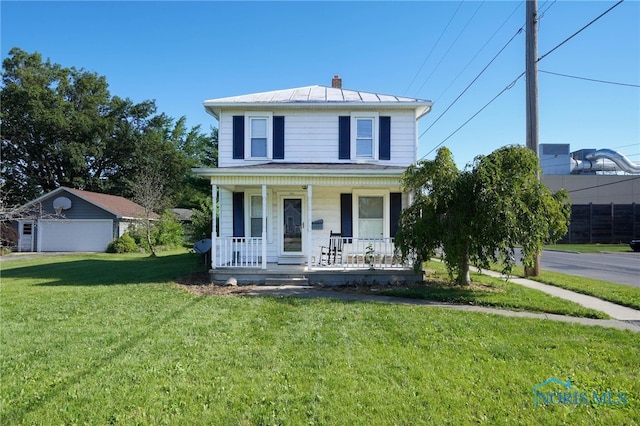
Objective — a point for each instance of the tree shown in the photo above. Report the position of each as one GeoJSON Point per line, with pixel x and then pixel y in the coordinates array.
{"type": "Point", "coordinates": [11, 212]}
{"type": "Point", "coordinates": [53, 124]}
{"type": "Point", "coordinates": [200, 150]}
{"type": "Point", "coordinates": [479, 215]}
{"type": "Point", "coordinates": [148, 191]}
{"type": "Point", "coordinates": [62, 127]}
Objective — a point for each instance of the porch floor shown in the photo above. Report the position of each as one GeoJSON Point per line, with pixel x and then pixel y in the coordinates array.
{"type": "Point", "coordinates": [276, 274]}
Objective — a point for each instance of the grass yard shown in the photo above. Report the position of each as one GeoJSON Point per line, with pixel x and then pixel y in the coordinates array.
{"type": "Point", "coordinates": [616, 293]}
{"type": "Point", "coordinates": [590, 248]}
{"type": "Point", "coordinates": [491, 292]}
{"type": "Point", "coordinates": [109, 339]}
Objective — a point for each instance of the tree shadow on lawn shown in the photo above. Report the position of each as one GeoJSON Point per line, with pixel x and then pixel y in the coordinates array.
{"type": "Point", "coordinates": [102, 270]}
{"type": "Point", "coordinates": [445, 292]}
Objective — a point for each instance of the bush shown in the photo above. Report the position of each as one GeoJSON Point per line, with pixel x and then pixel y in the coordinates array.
{"type": "Point", "coordinates": [123, 244]}
{"type": "Point", "coordinates": [166, 232]}
{"type": "Point", "coordinates": [201, 222]}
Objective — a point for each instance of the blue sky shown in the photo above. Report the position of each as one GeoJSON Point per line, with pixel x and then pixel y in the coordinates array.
{"type": "Point", "coordinates": [181, 53]}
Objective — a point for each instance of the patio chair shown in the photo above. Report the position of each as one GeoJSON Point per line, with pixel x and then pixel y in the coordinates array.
{"type": "Point", "coordinates": [332, 253]}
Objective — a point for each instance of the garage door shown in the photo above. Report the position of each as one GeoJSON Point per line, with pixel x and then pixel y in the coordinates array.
{"type": "Point", "coordinates": [74, 235]}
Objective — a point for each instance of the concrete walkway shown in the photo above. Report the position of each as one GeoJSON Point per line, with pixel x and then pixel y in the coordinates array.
{"type": "Point", "coordinates": [618, 312]}
{"type": "Point", "coordinates": [315, 292]}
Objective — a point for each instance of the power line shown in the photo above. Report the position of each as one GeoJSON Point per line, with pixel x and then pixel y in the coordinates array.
{"type": "Point", "coordinates": [473, 81]}
{"type": "Point", "coordinates": [580, 30]}
{"type": "Point", "coordinates": [626, 146]}
{"type": "Point", "coordinates": [590, 79]}
{"type": "Point", "coordinates": [434, 46]}
{"type": "Point", "coordinates": [604, 184]}
{"type": "Point", "coordinates": [474, 115]}
{"type": "Point", "coordinates": [479, 51]}
{"type": "Point", "coordinates": [542, 12]}
{"type": "Point", "coordinates": [512, 83]}
{"type": "Point", "coordinates": [450, 47]}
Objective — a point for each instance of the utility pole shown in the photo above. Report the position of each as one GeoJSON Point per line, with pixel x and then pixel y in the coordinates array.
{"type": "Point", "coordinates": [531, 27]}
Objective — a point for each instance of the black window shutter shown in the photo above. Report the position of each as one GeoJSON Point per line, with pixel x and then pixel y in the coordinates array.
{"type": "Point", "coordinates": [385, 139]}
{"type": "Point", "coordinates": [344, 136]}
{"type": "Point", "coordinates": [346, 215]}
{"type": "Point", "coordinates": [238, 214]}
{"type": "Point", "coordinates": [394, 214]}
{"type": "Point", "coordinates": [278, 137]}
{"type": "Point", "coordinates": [238, 137]}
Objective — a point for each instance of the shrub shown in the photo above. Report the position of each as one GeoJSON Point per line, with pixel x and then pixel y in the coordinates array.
{"type": "Point", "coordinates": [123, 244]}
{"type": "Point", "coordinates": [167, 231]}
{"type": "Point", "coordinates": [200, 226]}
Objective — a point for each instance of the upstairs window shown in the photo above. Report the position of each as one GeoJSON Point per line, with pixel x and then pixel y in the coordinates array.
{"type": "Point", "coordinates": [358, 136]}
{"type": "Point", "coordinates": [258, 137]}
{"type": "Point", "coordinates": [364, 137]}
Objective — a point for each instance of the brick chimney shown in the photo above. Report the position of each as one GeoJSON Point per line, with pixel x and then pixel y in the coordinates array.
{"type": "Point", "coordinates": [336, 82]}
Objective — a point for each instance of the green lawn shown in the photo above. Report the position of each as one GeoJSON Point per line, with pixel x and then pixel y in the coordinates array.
{"type": "Point", "coordinates": [109, 339]}
{"type": "Point", "coordinates": [616, 293]}
{"type": "Point", "coordinates": [491, 292]}
{"type": "Point", "coordinates": [590, 248]}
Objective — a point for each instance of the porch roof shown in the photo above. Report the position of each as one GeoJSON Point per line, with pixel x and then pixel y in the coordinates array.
{"type": "Point", "coordinates": [305, 173]}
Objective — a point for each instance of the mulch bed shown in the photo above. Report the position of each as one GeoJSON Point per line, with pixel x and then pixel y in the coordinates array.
{"type": "Point", "coordinates": [198, 283]}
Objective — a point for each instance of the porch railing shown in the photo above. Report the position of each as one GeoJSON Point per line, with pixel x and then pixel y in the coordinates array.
{"type": "Point", "coordinates": [356, 253]}
{"type": "Point", "coordinates": [241, 252]}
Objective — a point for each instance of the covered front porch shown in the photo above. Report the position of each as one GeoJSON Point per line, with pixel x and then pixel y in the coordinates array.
{"type": "Point", "coordinates": [289, 220]}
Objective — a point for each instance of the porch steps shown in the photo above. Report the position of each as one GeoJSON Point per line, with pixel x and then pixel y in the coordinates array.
{"type": "Point", "coordinates": [279, 281]}
{"type": "Point", "coordinates": [291, 260]}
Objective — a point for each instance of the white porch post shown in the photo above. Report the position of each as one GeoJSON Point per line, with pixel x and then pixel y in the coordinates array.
{"type": "Point", "coordinates": [214, 228]}
{"type": "Point", "coordinates": [309, 222]}
{"type": "Point", "coordinates": [264, 226]}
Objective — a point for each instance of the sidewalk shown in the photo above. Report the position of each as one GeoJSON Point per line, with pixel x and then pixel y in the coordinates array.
{"type": "Point", "coordinates": [315, 292]}
{"type": "Point", "coordinates": [621, 313]}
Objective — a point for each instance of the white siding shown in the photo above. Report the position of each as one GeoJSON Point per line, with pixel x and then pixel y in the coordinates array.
{"type": "Point", "coordinates": [312, 136]}
{"type": "Point", "coordinates": [225, 198]}
{"type": "Point", "coordinates": [326, 206]}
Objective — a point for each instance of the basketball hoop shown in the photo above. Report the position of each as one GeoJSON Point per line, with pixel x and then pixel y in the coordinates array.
{"type": "Point", "coordinates": [61, 203]}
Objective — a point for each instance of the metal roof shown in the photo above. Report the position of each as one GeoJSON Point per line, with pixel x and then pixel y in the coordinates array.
{"type": "Point", "coordinates": [315, 96]}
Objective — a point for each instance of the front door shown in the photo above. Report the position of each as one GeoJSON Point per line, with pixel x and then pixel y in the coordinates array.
{"type": "Point", "coordinates": [292, 225]}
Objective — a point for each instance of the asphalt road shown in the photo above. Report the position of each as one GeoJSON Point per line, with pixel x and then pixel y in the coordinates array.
{"type": "Point", "coordinates": [621, 268]}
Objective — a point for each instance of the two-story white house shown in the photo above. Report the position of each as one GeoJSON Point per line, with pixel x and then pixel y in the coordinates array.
{"type": "Point", "coordinates": [311, 176]}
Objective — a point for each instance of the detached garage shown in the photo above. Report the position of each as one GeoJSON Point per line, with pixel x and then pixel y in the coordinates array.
{"type": "Point", "coordinates": [76, 220]}
{"type": "Point", "coordinates": [74, 235]}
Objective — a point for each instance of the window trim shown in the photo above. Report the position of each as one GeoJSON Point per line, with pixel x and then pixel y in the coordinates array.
{"type": "Point", "coordinates": [375, 117]}
{"type": "Point", "coordinates": [249, 115]}
{"type": "Point", "coordinates": [357, 193]}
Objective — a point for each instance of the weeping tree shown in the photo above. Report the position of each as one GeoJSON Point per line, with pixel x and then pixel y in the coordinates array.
{"type": "Point", "coordinates": [478, 216]}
